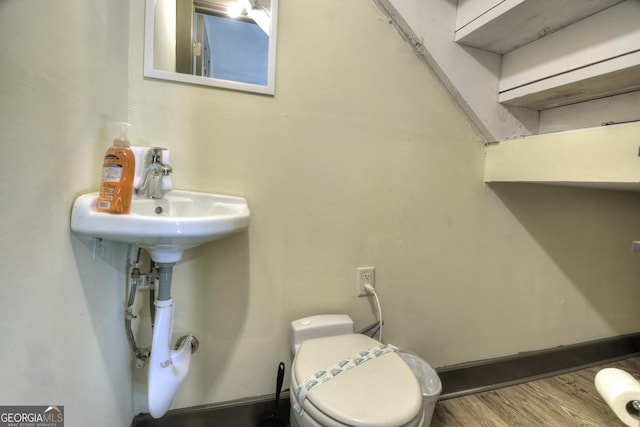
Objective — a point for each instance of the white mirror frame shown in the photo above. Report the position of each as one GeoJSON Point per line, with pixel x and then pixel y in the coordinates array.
{"type": "Point", "coordinates": [150, 71]}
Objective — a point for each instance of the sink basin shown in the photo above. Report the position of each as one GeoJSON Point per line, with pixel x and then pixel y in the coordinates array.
{"type": "Point", "coordinates": [164, 227]}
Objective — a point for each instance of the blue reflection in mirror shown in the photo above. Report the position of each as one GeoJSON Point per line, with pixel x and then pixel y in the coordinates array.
{"type": "Point", "coordinates": [239, 50]}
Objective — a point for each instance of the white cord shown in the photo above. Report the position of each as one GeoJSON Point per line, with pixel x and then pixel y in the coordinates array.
{"type": "Point", "coordinates": [371, 290]}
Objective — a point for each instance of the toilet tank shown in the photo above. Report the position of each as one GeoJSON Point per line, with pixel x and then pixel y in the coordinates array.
{"type": "Point", "coordinates": [323, 325]}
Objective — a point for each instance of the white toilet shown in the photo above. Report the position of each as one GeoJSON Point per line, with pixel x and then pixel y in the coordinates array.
{"type": "Point", "coordinates": [355, 386]}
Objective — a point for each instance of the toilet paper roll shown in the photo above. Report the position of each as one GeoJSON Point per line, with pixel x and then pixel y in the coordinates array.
{"type": "Point", "coordinates": [619, 389]}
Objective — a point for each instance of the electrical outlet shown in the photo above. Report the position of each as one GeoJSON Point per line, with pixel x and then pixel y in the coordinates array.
{"type": "Point", "coordinates": [366, 275]}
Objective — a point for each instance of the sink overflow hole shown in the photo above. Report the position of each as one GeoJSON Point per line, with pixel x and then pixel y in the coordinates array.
{"type": "Point", "coordinates": [159, 210]}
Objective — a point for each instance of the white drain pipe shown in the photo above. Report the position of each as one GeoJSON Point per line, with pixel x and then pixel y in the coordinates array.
{"type": "Point", "coordinates": [167, 368]}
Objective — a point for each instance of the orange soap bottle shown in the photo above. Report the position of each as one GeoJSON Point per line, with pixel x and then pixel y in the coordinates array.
{"type": "Point", "coordinates": [118, 169]}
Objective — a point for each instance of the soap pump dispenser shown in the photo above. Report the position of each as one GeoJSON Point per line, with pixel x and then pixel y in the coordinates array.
{"type": "Point", "coordinates": [118, 170]}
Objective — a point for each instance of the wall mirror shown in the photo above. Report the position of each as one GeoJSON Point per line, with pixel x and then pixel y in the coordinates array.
{"type": "Point", "coordinates": [222, 43]}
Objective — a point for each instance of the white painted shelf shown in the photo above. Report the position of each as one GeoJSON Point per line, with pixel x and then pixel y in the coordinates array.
{"type": "Point", "coordinates": [502, 26]}
{"type": "Point", "coordinates": [610, 77]}
{"type": "Point", "coordinates": [556, 53]}
{"type": "Point", "coordinates": [605, 157]}
{"type": "Point", "coordinates": [594, 58]}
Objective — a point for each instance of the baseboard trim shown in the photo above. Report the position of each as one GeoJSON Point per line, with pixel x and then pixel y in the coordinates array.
{"type": "Point", "coordinates": [236, 413]}
{"type": "Point", "coordinates": [457, 380]}
{"type": "Point", "coordinates": [484, 375]}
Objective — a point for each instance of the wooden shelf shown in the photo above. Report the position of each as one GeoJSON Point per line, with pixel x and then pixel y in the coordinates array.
{"type": "Point", "coordinates": [605, 157]}
{"type": "Point", "coordinates": [594, 58]}
{"type": "Point", "coordinates": [607, 78]}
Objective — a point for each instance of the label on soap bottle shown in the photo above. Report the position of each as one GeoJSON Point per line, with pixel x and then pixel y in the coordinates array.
{"type": "Point", "coordinates": [116, 185]}
{"type": "Point", "coordinates": [111, 173]}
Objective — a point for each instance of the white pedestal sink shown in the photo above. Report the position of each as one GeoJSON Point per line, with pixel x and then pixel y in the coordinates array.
{"type": "Point", "coordinates": [164, 227]}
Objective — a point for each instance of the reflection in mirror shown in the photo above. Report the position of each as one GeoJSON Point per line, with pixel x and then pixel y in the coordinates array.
{"type": "Point", "coordinates": [224, 43]}
{"type": "Point", "coordinates": [229, 49]}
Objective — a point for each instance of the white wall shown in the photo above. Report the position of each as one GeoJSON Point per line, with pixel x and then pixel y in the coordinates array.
{"type": "Point", "coordinates": [63, 81]}
{"type": "Point", "coordinates": [362, 158]}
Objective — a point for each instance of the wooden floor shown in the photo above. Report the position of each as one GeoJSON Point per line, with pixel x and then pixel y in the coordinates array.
{"type": "Point", "coordinates": [564, 400]}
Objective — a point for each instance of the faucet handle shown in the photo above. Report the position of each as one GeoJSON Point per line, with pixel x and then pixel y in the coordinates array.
{"type": "Point", "coordinates": [154, 155]}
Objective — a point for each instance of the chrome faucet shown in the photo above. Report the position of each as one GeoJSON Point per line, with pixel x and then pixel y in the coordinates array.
{"type": "Point", "coordinates": [154, 171]}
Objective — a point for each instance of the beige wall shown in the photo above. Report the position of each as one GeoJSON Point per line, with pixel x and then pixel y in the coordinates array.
{"type": "Point", "coordinates": [360, 159]}
{"type": "Point", "coordinates": [63, 81]}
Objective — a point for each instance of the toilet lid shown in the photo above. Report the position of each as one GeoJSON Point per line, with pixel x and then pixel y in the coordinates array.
{"type": "Point", "coordinates": [382, 392]}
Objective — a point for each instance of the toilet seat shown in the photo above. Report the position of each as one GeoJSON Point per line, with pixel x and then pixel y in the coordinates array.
{"type": "Point", "coordinates": [381, 392]}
